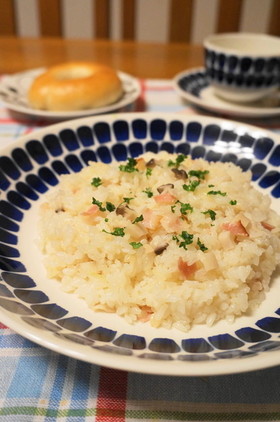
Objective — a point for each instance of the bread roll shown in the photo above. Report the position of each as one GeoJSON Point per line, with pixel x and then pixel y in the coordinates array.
{"type": "Point", "coordinates": [75, 86]}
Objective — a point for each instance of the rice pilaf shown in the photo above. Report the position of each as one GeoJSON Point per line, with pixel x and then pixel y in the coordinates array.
{"type": "Point", "coordinates": [162, 239]}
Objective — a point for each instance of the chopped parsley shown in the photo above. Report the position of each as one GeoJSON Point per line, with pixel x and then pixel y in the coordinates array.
{"type": "Point", "coordinates": [211, 186]}
{"type": "Point", "coordinates": [137, 219]}
{"type": "Point", "coordinates": [127, 200]}
{"type": "Point", "coordinates": [180, 158]}
{"type": "Point", "coordinates": [148, 192]}
{"type": "Point", "coordinates": [184, 208]}
{"type": "Point", "coordinates": [212, 214]}
{"type": "Point", "coordinates": [191, 186]}
{"type": "Point", "coordinates": [118, 231]}
{"type": "Point", "coordinates": [216, 192]}
{"type": "Point", "coordinates": [149, 171]}
{"type": "Point", "coordinates": [98, 203]}
{"type": "Point", "coordinates": [186, 237]}
{"type": "Point", "coordinates": [233, 202]}
{"type": "Point", "coordinates": [201, 246]}
{"type": "Point", "coordinates": [200, 174]}
{"type": "Point", "coordinates": [96, 181]}
{"type": "Point", "coordinates": [136, 245]}
{"type": "Point", "coordinates": [109, 206]}
{"type": "Point", "coordinates": [130, 166]}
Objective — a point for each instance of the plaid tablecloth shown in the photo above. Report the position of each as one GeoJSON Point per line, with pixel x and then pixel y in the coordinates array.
{"type": "Point", "coordinates": [37, 384]}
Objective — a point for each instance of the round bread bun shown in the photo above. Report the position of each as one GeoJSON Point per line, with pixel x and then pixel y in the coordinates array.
{"type": "Point", "coordinates": [75, 86]}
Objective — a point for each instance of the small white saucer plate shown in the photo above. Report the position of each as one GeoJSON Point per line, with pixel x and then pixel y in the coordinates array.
{"type": "Point", "coordinates": [14, 88]}
{"type": "Point", "coordinates": [193, 86]}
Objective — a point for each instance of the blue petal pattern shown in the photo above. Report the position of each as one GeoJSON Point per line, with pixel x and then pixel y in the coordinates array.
{"type": "Point", "coordinates": [9, 168]}
{"type": "Point", "coordinates": [69, 139]}
{"type": "Point", "coordinates": [22, 160]}
{"type": "Point", "coordinates": [139, 128]}
{"type": "Point", "coordinates": [52, 144]}
{"type": "Point", "coordinates": [85, 135]}
{"type": "Point", "coordinates": [131, 342]}
{"type": "Point", "coordinates": [241, 71]}
{"type": "Point", "coordinates": [101, 334]}
{"type": "Point", "coordinates": [37, 151]}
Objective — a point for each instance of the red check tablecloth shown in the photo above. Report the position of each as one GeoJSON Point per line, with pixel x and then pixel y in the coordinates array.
{"type": "Point", "coordinates": [37, 384]}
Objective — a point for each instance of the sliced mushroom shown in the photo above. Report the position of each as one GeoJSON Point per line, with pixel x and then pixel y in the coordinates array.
{"type": "Point", "coordinates": [159, 249]}
{"type": "Point", "coordinates": [122, 209]}
{"type": "Point", "coordinates": [151, 163]}
{"type": "Point", "coordinates": [162, 188]}
{"type": "Point", "coordinates": [60, 210]}
{"type": "Point", "coordinates": [180, 174]}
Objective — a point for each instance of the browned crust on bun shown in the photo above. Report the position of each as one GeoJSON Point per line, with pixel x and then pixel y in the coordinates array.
{"type": "Point", "coordinates": [75, 85]}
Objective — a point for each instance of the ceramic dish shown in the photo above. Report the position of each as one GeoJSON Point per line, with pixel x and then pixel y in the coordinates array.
{"type": "Point", "coordinates": [242, 67]}
{"type": "Point", "coordinates": [14, 88]}
{"type": "Point", "coordinates": [36, 308]}
{"type": "Point", "coordinates": [194, 87]}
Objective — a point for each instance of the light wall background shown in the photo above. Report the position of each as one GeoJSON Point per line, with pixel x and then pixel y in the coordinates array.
{"type": "Point", "coordinates": [151, 23]}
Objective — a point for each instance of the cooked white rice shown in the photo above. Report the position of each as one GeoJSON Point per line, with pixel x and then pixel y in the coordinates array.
{"type": "Point", "coordinates": [202, 250]}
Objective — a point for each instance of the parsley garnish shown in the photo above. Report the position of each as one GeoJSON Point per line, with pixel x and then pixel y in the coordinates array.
{"type": "Point", "coordinates": [96, 181]}
{"type": "Point", "coordinates": [109, 206]}
{"type": "Point", "coordinates": [118, 231]}
{"type": "Point", "coordinates": [191, 186]}
{"type": "Point", "coordinates": [136, 245]}
{"type": "Point", "coordinates": [148, 192]}
{"type": "Point", "coordinates": [180, 158]}
{"type": "Point", "coordinates": [200, 174]}
{"type": "Point", "coordinates": [187, 239]}
{"type": "Point", "coordinates": [149, 171]}
{"type": "Point", "coordinates": [216, 192]}
{"type": "Point", "coordinates": [201, 246]}
{"type": "Point", "coordinates": [129, 167]}
{"type": "Point", "coordinates": [127, 200]}
{"type": "Point", "coordinates": [212, 214]}
{"type": "Point", "coordinates": [233, 202]}
{"type": "Point", "coordinates": [183, 207]}
{"type": "Point", "coordinates": [137, 219]}
{"type": "Point", "coordinates": [98, 203]}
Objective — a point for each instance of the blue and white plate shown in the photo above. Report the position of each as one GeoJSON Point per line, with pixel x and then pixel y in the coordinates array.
{"type": "Point", "coordinates": [35, 307]}
{"type": "Point", "coordinates": [193, 86]}
{"type": "Point", "coordinates": [14, 88]}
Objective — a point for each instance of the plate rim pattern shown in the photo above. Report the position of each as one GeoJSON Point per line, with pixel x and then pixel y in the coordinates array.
{"type": "Point", "coordinates": [162, 352]}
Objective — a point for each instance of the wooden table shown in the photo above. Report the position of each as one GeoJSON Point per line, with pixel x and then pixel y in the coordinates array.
{"type": "Point", "coordinates": [143, 60]}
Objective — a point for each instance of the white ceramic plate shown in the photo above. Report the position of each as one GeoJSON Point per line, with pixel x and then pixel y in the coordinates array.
{"type": "Point", "coordinates": [36, 308]}
{"type": "Point", "coordinates": [14, 88]}
{"type": "Point", "coordinates": [193, 86]}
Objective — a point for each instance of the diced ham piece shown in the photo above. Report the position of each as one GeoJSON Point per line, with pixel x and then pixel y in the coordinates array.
{"type": "Point", "coordinates": [150, 219]}
{"type": "Point", "coordinates": [267, 226]}
{"type": "Point", "coordinates": [171, 223]}
{"type": "Point", "coordinates": [141, 165]}
{"type": "Point", "coordinates": [237, 229]}
{"type": "Point", "coordinates": [185, 269]}
{"type": "Point", "coordinates": [165, 198]}
{"type": "Point", "coordinates": [92, 210]}
{"type": "Point", "coordinates": [146, 312]}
